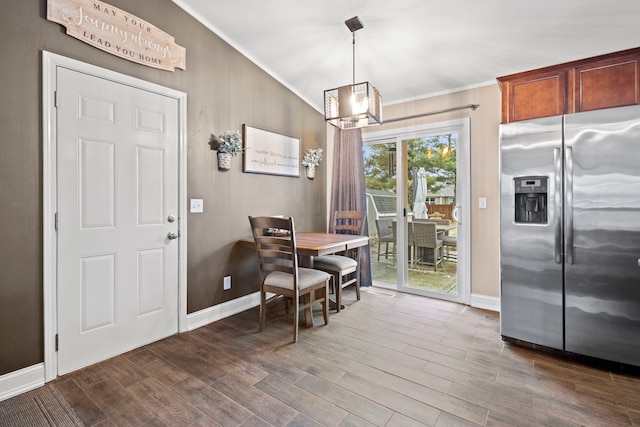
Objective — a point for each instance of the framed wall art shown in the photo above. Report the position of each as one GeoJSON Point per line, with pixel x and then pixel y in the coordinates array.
{"type": "Point", "coordinates": [270, 153]}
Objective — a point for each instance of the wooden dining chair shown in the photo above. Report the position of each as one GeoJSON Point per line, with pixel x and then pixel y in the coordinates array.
{"type": "Point", "coordinates": [275, 240]}
{"type": "Point", "coordinates": [345, 267]}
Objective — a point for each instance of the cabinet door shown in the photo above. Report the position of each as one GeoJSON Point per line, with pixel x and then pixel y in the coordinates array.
{"type": "Point", "coordinates": [536, 96]}
{"type": "Point", "coordinates": [606, 84]}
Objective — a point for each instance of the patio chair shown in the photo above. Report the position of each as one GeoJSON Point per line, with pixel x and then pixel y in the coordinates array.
{"type": "Point", "coordinates": [344, 268]}
{"type": "Point", "coordinates": [279, 271]}
{"type": "Point", "coordinates": [385, 235]}
{"type": "Point", "coordinates": [450, 243]}
{"type": "Point", "coordinates": [425, 237]}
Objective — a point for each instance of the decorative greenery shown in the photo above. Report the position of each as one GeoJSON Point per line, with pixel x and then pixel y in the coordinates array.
{"type": "Point", "coordinates": [230, 142]}
{"type": "Point", "coordinates": [313, 156]}
{"type": "Point", "coordinates": [437, 154]}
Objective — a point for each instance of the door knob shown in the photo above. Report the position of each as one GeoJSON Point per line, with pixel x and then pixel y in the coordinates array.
{"type": "Point", "coordinates": [172, 235]}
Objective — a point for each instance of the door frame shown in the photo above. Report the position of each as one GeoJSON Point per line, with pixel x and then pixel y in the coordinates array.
{"type": "Point", "coordinates": [462, 127]}
{"type": "Point", "coordinates": [50, 63]}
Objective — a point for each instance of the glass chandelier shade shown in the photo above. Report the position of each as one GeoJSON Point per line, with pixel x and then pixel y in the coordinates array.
{"type": "Point", "coordinates": [353, 106]}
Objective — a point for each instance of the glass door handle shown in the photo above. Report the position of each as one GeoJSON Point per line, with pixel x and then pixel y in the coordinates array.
{"type": "Point", "coordinates": [454, 214]}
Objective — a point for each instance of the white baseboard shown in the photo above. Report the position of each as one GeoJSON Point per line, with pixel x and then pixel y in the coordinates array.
{"type": "Point", "coordinates": [21, 381]}
{"type": "Point", "coordinates": [485, 302]}
{"type": "Point", "coordinates": [220, 311]}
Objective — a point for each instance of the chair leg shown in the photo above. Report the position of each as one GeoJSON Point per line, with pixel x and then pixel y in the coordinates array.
{"type": "Point", "coordinates": [357, 285]}
{"type": "Point", "coordinates": [296, 317]}
{"type": "Point", "coordinates": [379, 244]}
{"type": "Point", "coordinates": [337, 278]}
{"type": "Point", "coordinates": [263, 311]}
{"type": "Point", "coordinates": [325, 302]}
{"type": "Point", "coordinates": [307, 302]}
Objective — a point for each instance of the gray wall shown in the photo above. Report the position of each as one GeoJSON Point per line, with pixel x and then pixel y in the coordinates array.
{"type": "Point", "coordinates": [224, 91]}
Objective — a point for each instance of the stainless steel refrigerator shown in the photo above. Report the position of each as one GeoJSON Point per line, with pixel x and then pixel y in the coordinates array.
{"type": "Point", "coordinates": [570, 233]}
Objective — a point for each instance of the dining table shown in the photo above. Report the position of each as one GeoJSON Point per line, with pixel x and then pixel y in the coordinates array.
{"type": "Point", "coordinates": [445, 229]}
{"type": "Point", "coordinates": [442, 229]}
{"type": "Point", "coordinates": [312, 244]}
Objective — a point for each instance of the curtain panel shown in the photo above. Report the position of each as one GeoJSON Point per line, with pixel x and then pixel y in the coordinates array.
{"type": "Point", "coordinates": [348, 189]}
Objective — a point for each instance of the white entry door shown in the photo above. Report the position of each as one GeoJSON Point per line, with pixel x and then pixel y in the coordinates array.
{"type": "Point", "coordinates": [117, 198]}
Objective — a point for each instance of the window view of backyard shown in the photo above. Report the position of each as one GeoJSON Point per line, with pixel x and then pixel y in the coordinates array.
{"type": "Point", "coordinates": [430, 180]}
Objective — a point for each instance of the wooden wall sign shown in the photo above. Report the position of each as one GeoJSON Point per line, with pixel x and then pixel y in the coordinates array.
{"type": "Point", "coordinates": [117, 32]}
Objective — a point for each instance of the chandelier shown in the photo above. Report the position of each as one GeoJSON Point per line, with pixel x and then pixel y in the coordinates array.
{"type": "Point", "coordinates": [356, 105]}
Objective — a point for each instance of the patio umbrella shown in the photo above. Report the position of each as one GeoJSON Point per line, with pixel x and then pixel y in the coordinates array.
{"type": "Point", "coordinates": [420, 198]}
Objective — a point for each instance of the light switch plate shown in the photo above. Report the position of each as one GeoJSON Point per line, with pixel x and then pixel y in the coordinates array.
{"type": "Point", "coordinates": [482, 203]}
{"type": "Point", "coordinates": [227, 283]}
{"type": "Point", "coordinates": [197, 205]}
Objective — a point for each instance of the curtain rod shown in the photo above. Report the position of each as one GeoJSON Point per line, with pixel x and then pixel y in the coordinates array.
{"type": "Point", "coordinates": [446, 110]}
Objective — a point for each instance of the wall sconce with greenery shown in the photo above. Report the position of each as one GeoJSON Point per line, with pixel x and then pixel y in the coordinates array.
{"type": "Point", "coordinates": [228, 146]}
{"type": "Point", "coordinates": [311, 160]}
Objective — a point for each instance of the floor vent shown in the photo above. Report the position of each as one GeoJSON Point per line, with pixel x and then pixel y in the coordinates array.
{"type": "Point", "coordinates": [382, 293]}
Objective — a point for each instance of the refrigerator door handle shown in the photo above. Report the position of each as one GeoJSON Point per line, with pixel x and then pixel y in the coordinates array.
{"type": "Point", "coordinates": [557, 221]}
{"type": "Point", "coordinates": [568, 185]}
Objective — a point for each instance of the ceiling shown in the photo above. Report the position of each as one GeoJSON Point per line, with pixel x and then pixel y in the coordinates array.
{"type": "Point", "coordinates": [412, 49]}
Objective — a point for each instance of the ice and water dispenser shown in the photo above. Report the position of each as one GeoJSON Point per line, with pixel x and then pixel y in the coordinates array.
{"type": "Point", "coordinates": [531, 199]}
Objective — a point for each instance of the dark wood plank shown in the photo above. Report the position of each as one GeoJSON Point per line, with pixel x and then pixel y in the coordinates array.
{"type": "Point", "coordinates": [356, 404]}
{"type": "Point", "coordinates": [168, 405]}
{"type": "Point", "coordinates": [390, 359]}
{"type": "Point", "coordinates": [308, 404]}
{"type": "Point", "coordinates": [85, 408]}
{"type": "Point", "coordinates": [121, 405]}
{"type": "Point", "coordinates": [398, 402]}
{"type": "Point", "coordinates": [123, 370]}
{"type": "Point", "coordinates": [157, 367]}
{"type": "Point", "coordinates": [260, 403]}
{"type": "Point", "coordinates": [442, 401]}
{"type": "Point", "coordinates": [216, 405]}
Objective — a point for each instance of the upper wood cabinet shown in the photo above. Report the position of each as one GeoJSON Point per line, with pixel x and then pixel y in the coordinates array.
{"type": "Point", "coordinates": [605, 81]}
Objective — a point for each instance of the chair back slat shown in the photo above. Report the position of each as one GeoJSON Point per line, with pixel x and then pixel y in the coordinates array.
{"type": "Point", "coordinates": [275, 240]}
{"type": "Point", "coordinates": [349, 222]}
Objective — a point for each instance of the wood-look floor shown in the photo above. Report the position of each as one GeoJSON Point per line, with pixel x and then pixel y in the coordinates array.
{"type": "Point", "coordinates": [391, 359]}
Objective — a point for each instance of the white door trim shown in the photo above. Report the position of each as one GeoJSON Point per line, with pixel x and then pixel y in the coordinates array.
{"type": "Point", "coordinates": [50, 63]}
{"type": "Point", "coordinates": [462, 128]}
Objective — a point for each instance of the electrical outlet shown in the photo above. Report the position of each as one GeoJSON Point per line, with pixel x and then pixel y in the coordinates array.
{"type": "Point", "coordinates": [227, 283]}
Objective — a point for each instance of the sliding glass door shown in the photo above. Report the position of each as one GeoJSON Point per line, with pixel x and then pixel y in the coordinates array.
{"type": "Point", "coordinates": [417, 187]}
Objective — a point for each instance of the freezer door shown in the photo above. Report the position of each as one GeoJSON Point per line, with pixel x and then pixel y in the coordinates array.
{"type": "Point", "coordinates": [602, 274]}
{"type": "Point", "coordinates": [531, 258]}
